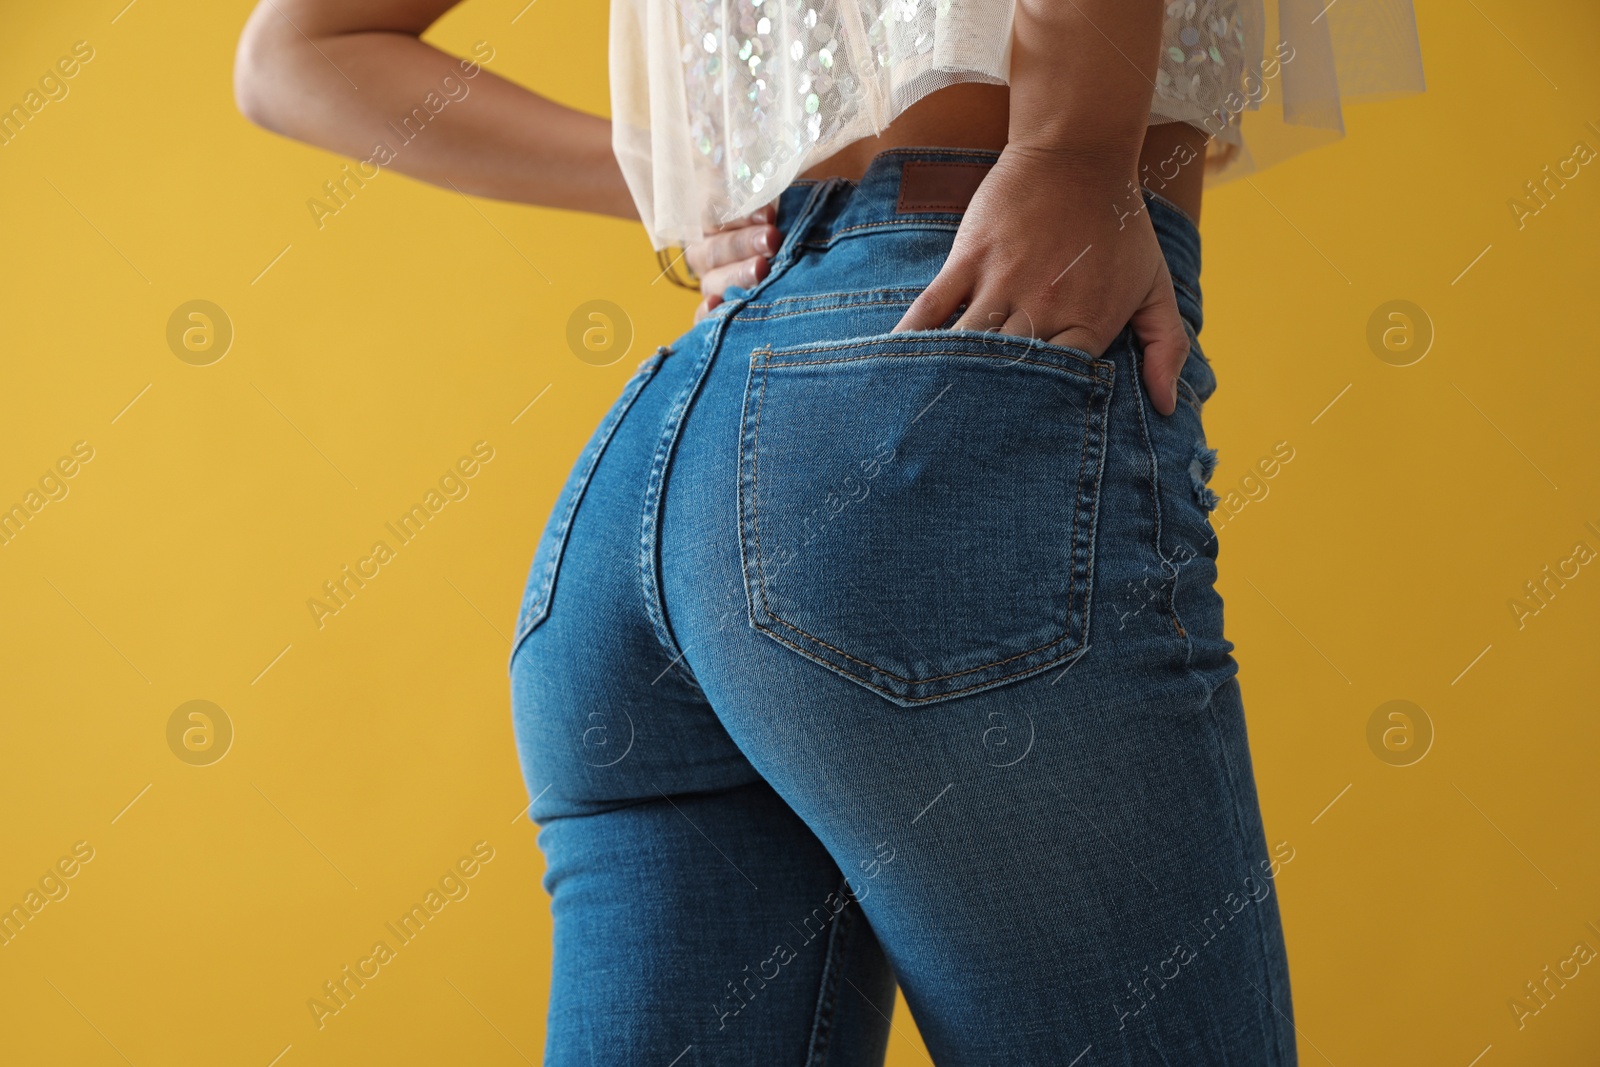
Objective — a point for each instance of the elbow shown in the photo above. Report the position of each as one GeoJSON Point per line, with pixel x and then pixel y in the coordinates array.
{"type": "Point", "coordinates": [260, 75]}
{"type": "Point", "coordinates": [253, 98]}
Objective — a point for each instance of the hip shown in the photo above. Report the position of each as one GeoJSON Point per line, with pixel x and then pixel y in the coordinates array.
{"type": "Point", "coordinates": [934, 513]}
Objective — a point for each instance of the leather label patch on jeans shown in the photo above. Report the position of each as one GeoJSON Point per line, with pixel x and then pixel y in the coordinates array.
{"type": "Point", "coordinates": [927, 185]}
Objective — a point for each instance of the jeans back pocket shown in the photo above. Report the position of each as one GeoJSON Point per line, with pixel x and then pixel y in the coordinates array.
{"type": "Point", "coordinates": [917, 510]}
{"type": "Point", "coordinates": [541, 584]}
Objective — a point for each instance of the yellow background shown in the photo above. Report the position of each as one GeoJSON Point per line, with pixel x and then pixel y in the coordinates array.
{"type": "Point", "coordinates": [369, 755]}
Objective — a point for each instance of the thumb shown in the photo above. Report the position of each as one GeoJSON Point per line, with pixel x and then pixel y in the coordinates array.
{"type": "Point", "coordinates": [1160, 330]}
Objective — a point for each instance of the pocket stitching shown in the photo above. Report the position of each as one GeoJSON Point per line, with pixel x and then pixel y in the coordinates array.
{"type": "Point", "coordinates": [825, 301]}
{"type": "Point", "coordinates": [744, 316]}
{"type": "Point", "coordinates": [931, 698]}
{"type": "Point", "coordinates": [1099, 369]}
{"type": "Point", "coordinates": [1077, 590]}
{"type": "Point", "coordinates": [959, 353]}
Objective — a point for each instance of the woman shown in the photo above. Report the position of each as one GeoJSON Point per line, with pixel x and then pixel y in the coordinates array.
{"type": "Point", "coordinates": [874, 636]}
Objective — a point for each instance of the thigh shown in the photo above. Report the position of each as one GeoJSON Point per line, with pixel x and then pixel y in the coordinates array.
{"type": "Point", "coordinates": [1048, 869]}
{"type": "Point", "coordinates": [697, 920]}
{"type": "Point", "coordinates": [708, 929]}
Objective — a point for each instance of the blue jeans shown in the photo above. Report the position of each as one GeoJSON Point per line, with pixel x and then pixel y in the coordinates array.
{"type": "Point", "coordinates": [850, 658]}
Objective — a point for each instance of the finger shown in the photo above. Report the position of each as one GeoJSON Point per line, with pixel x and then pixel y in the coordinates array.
{"type": "Point", "coordinates": [1081, 338]}
{"type": "Point", "coordinates": [1019, 324]}
{"type": "Point", "coordinates": [767, 213]}
{"type": "Point", "coordinates": [761, 216]}
{"type": "Point", "coordinates": [745, 274]}
{"type": "Point", "coordinates": [981, 315]}
{"type": "Point", "coordinates": [705, 307]}
{"type": "Point", "coordinates": [1084, 339]}
{"type": "Point", "coordinates": [938, 301]}
{"type": "Point", "coordinates": [731, 246]}
{"type": "Point", "coordinates": [1159, 328]}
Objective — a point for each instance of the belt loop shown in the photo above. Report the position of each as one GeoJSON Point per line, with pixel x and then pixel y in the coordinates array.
{"type": "Point", "coordinates": [789, 250]}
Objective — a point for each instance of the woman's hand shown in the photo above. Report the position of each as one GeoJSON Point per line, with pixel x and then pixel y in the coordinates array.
{"type": "Point", "coordinates": [1056, 248]}
{"type": "Point", "coordinates": [1056, 243]}
{"type": "Point", "coordinates": [735, 254]}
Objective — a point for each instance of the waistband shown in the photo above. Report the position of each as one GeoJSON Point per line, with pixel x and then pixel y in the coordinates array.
{"type": "Point", "coordinates": [928, 188]}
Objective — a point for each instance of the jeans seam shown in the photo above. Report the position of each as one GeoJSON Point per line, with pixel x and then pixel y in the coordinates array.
{"type": "Point", "coordinates": [1191, 397]}
{"type": "Point", "coordinates": [1170, 206]}
{"type": "Point", "coordinates": [1168, 570]}
{"type": "Point", "coordinates": [650, 520]}
{"type": "Point", "coordinates": [818, 1046]}
{"type": "Point", "coordinates": [1178, 283]}
{"type": "Point", "coordinates": [1268, 1021]}
{"type": "Point", "coordinates": [655, 481]}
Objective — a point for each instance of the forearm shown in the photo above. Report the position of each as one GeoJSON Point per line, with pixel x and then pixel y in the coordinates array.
{"type": "Point", "coordinates": [383, 94]}
{"type": "Point", "coordinates": [1082, 76]}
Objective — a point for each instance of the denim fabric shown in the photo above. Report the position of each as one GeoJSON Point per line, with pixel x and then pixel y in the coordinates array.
{"type": "Point", "coordinates": [850, 658]}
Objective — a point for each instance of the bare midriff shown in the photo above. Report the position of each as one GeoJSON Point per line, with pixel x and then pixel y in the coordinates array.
{"type": "Point", "coordinates": [973, 115]}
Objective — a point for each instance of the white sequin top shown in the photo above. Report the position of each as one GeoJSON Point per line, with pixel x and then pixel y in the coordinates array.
{"type": "Point", "coordinates": [719, 104]}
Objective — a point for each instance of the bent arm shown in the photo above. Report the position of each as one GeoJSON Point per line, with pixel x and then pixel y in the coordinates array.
{"type": "Point", "coordinates": [1056, 243]}
{"type": "Point", "coordinates": [1088, 102]}
{"type": "Point", "coordinates": [346, 75]}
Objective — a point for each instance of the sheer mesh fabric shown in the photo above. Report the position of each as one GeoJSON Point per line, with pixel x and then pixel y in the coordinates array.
{"type": "Point", "coordinates": [718, 104]}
